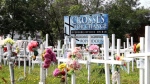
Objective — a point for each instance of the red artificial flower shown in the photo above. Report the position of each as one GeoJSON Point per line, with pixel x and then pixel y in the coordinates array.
{"type": "Point", "coordinates": [117, 57]}
{"type": "Point", "coordinates": [63, 72]}
{"type": "Point", "coordinates": [5, 49]}
{"type": "Point", "coordinates": [14, 53]}
{"type": "Point", "coordinates": [124, 64]}
{"type": "Point", "coordinates": [134, 48]}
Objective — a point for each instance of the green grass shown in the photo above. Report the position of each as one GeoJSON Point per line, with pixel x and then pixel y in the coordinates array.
{"type": "Point", "coordinates": [97, 75]}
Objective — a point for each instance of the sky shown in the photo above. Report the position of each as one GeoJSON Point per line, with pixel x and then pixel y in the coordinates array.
{"type": "Point", "coordinates": [145, 3]}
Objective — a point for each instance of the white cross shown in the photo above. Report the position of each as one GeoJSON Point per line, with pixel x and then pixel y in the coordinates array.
{"type": "Point", "coordinates": [106, 60]}
{"type": "Point", "coordinates": [11, 68]}
{"type": "Point", "coordinates": [146, 56]}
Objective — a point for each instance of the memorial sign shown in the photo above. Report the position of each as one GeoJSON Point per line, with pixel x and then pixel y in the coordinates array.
{"type": "Point", "coordinates": [80, 26]}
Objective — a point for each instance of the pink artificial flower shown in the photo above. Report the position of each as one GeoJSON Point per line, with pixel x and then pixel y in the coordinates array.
{"type": "Point", "coordinates": [74, 64]}
{"type": "Point", "coordinates": [79, 55]}
{"type": "Point", "coordinates": [31, 45]}
{"type": "Point", "coordinates": [77, 52]}
{"type": "Point", "coordinates": [34, 43]}
{"type": "Point", "coordinates": [76, 49]}
{"type": "Point", "coordinates": [56, 72]}
{"type": "Point", "coordinates": [94, 49]}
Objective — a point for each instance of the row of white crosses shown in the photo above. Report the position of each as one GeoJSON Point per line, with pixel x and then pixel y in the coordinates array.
{"type": "Point", "coordinates": [107, 61]}
{"type": "Point", "coordinates": [22, 51]}
{"type": "Point", "coordinates": [144, 55]}
{"type": "Point", "coordinates": [9, 59]}
{"type": "Point", "coordinates": [24, 57]}
{"type": "Point", "coordinates": [124, 51]}
{"type": "Point", "coordinates": [31, 61]}
{"type": "Point", "coordinates": [67, 48]}
{"type": "Point", "coordinates": [42, 70]}
{"type": "Point", "coordinates": [106, 58]}
{"type": "Point", "coordinates": [89, 60]}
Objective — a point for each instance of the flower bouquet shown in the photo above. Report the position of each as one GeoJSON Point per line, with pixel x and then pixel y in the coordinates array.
{"type": "Point", "coordinates": [9, 42]}
{"type": "Point", "coordinates": [136, 48]}
{"type": "Point", "coordinates": [67, 69]}
{"type": "Point", "coordinates": [48, 57]}
{"type": "Point", "coordinates": [63, 72]}
{"type": "Point", "coordinates": [120, 58]}
{"type": "Point", "coordinates": [116, 73]}
{"type": "Point", "coordinates": [32, 47]}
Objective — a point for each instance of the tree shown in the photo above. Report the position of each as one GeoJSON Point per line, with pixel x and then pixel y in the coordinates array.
{"type": "Point", "coordinates": [24, 17]}
{"type": "Point", "coordinates": [58, 10]}
{"type": "Point", "coordinates": [123, 17]}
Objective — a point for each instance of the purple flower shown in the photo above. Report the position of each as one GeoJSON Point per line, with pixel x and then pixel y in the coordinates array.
{"type": "Point", "coordinates": [47, 61]}
{"type": "Point", "coordinates": [53, 55]}
{"type": "Point", "coordinates": [56, 72]}
{"type": "Point", "coordinates": [46, 65]}
{"type": "Point", "coordinates": [49, 50]}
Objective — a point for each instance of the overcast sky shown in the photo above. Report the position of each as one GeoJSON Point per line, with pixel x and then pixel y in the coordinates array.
{"type": "Point", "coordinates": [145, 3]}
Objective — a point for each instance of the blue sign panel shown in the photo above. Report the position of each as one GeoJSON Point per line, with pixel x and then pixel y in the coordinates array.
{"type": "Point", "coordinates": [80, 26]}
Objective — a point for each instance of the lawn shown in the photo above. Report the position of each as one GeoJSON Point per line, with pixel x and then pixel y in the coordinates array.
{"type": "Point", "coordinates": [97, 75]}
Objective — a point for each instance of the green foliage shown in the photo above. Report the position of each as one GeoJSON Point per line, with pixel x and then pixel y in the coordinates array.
{"type": "Point", "coordinates": [76, 10]}
{"type": "Point", "coordinates": [123, 17]}
{"type": "Point", "coordinates": [29, 16]}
